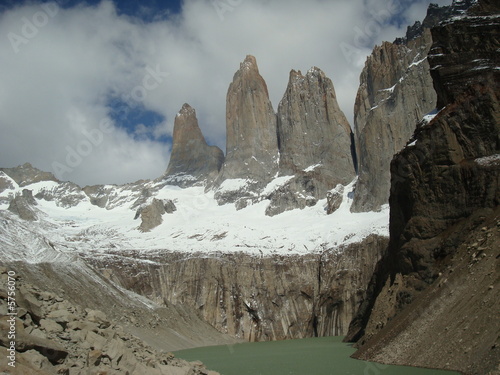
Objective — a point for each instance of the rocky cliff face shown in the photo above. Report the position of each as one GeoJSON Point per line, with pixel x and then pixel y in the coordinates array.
{"type": "Point", "coordinates": [151, 214]}
{"type": "Point", "coordinates": [313, 131]}
{"type": "Point", "coordinates": [309, 141]}
{"type": "Point", "coordinates": [395, 93]}
{"type": "Point", "coordinates": [314, 140]}
{"type": "Point", "coordinates": [445, 192]}
{"type": "Point", "coordinates": [251, 139]}
{"type": "Point", "coordinates": [258, 298]}
{"type": "Point", "coordinates": [23, 205]}
{"type": "Point", "coordinates": [192, 161]}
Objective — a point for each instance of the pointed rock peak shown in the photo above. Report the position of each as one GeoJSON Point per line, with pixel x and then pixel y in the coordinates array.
{"type": "Point", "coordinates": [312, 130]}
{"type": "Point", "coordinates": [186, 110]}
{"type": "Point", "coordinates": [186, 126]}
{"type": "Point", "coordinates": [295, 74]}
{"type": "Point", "coordinates": [251, 138]}
{"type": "Point", "coordinates": [315, 71]}
{"type": "Point", "coordinates": [192, 161]}
{"type": "Point", "coordinates": [250, 62]}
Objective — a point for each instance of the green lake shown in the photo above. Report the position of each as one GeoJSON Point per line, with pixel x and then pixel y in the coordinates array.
{"type": "Point", "coordinates": [313, 356]}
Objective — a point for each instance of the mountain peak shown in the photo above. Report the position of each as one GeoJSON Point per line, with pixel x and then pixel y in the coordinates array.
{"type": "Point", "coordinates": [192, 160]}
{"type": "Point", "coordinates": [252, 145]}
{"type": "Point", "coordinates": [27, 174]}
{"type": "Point", "coordinates": [250, 62]}
{"type": "Point", "coordinates": [186, 110]}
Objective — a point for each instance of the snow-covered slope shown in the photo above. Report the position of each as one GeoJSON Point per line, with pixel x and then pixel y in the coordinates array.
{"type": "Point", "coordinates": [199, 224]}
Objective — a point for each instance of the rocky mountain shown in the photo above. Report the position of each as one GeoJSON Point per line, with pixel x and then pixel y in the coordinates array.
{"type": "Point", "coordinates": [188, 251]}
{"type": "Point", "coordinates": [395, 92]}
{"type": "Point", "coordinates": [291, 159]}
{"type": "Point", "coordinates": [192, 161]}
{"type": "Point", "coordinates": [445, 223]}
{"type": "Point", "coordinates": [267, 243]}
{"type": "Point", "coordinates": [312, 130]}
{"type": "Point", "coordinates": [251, 138]}
{"type": "Point", "coordinates": [26, 174]}
{"type": "Point", "coordinates": [314, 141]}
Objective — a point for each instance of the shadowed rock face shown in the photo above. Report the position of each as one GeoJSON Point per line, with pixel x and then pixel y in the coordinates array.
{"type": "Point", "coordinates": [444, 224]}
{"type": "Point", "coordinates": [23, 206]}
{"type": "Point", "coordinates": [192, 161]}
{"type": "Point", "coordinates": [251, 144]}
{"type": "Point", "coordinates": [313, 131]}
{"type": "Point", "coordinates": [395, 93]}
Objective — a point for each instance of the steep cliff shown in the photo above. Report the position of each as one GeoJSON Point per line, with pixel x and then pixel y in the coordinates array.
{"type": "Point", "coordinates": [395, 92]}
{"type": "Point", "coordinates": [251, 137]}
{"type": "Point", "coordinates": [444, 226]}
{"type": "Point", "coordinates": [312, 130]}
{"type": "Point", "coordinates": [308, 143]}
{"type": "Point", "coordinates": [192, 161]}
{"type": "Point", "coordinates": [257, 298]}
{"type": "Point", "coordinates": [314, 140]}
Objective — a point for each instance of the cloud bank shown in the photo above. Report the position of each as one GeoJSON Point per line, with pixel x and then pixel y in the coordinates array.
{"type": "Point", "coordinates": [71, 78]}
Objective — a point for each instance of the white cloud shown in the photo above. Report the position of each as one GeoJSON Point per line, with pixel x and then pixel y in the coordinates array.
{"type": "Point", "coordinates": [71, 60]}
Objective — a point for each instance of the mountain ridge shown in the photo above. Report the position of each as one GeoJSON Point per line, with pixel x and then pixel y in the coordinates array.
{"type": "Point", "coordinates": [287, 255]}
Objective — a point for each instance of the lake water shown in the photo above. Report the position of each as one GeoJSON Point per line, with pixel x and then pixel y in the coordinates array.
{"type": "Point", "coordinates": [313, 356]}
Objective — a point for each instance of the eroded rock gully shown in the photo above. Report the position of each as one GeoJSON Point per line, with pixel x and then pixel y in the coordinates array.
{"type": "Point", "coordinates": [258, 298]}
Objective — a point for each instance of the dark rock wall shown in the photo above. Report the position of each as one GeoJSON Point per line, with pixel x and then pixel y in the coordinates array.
{"type": "Point", "coordinates": [443, 188]}
{"type": "Point", "coordinates": [395, 93]}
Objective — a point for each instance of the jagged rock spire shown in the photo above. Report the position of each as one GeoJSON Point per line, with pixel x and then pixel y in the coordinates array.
{"type": "Point", "coordinates": [251, 145]}
{"type": "Point", "coordinates": [312, 130]}
{"type": "Point", "coordinates": [192, 160]}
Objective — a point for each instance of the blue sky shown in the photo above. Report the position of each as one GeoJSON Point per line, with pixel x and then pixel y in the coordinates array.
{"type": "Point", "coordinates": [145, 9]}
{"type": "Point", "coordinates": [89, 90]}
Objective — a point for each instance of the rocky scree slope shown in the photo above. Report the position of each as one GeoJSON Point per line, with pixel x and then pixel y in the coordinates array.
{"type": "Point", "coordinates": [53, 335]}
{"type": "Point", "coordinates": [444, 216]}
